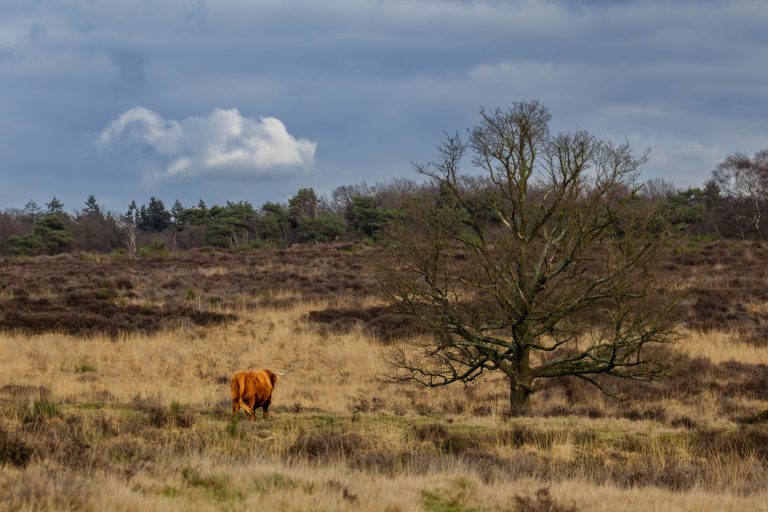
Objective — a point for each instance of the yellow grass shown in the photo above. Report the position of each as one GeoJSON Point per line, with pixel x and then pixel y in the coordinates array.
{"type": "Point", "coordinates": [330, 373]}
{"type": "Point", "coordinates": [337, 375]}
{"type": "Point", "coordinates": [274, 486]}
{"type": "Point", "coordinates": [720, 346]}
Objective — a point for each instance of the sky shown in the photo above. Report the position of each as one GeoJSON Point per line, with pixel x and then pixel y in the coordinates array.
{"type": "Point", "coordinates": [252, 100]}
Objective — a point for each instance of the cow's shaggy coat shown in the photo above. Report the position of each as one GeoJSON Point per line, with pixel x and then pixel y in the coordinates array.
{"type": "Point", "coordinates": [251, 389]}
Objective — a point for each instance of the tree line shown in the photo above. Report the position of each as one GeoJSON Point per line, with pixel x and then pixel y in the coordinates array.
{"type": "Point", "coordinates": [732, 204]}
{"type": "Point", "coordinates": [356, 212]}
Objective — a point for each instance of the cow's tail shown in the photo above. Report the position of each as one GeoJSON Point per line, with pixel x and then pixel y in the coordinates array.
{"type": "Point", "coordinates": [246, 407]}
{"type": "Point", "coordinates": [241, 382]}
{"type": "Point", "coordinates": [238, 388]}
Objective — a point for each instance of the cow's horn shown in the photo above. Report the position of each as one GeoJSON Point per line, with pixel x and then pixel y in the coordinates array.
{"type": "Point", "coordinates": [281, 374]}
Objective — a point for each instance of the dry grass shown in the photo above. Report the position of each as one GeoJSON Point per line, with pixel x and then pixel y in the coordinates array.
{"type": "Point", "coordinates": [141, 421]}
{"type": "Point", "coordinates": [722, 346]}
{"type": "Point", "coordinates": [332, 373]}
{"type": "Point", "coordinates": [274, 486]}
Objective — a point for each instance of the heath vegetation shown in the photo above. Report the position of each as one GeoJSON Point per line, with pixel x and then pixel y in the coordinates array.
{"type": "Point", "coordinates": [138, 417]}
{"type": "Point", "coordinates": [605, 341]}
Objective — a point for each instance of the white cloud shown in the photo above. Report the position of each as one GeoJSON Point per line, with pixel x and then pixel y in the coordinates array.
{"type": "Point", "coordinates": [222, 142]}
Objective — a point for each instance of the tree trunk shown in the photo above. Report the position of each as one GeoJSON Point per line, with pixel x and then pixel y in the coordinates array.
{"type": "Point", "coordinates": [519, 379]}
{"type": "Point", "coordinates": [519, 395]}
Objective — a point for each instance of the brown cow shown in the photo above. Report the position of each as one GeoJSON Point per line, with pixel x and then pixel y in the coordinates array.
{"type": "Point", "coordinates": [252, 389]}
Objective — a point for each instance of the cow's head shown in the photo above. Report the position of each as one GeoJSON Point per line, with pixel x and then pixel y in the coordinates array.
{"type": "Point", "coordinates": [274, 376]}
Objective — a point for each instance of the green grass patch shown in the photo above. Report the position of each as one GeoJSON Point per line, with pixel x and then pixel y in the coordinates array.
{"type": "Point", "coordinates": [92, 406]}
{"type": "Point", "coordinates": [277, 481]}
{"type": "Point", "coordinates": [433, 501]}
{"type": "Point", "coordinates": [216, 486]}
{"type": "Point", "coordinates": [85, 366]}
{"type": "Point", "coordinates": [172, 492]}
{"type": "Point", "coordinates": [40, 410]}
{"type": "Point", "coordinates": [232, 427]}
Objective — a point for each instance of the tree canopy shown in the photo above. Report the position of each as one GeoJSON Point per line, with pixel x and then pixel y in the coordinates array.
{"type": "Point", "coordinates": [537, 264]}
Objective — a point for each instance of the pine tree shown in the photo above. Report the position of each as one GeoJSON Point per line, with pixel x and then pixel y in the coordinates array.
{"type": "Point", "coordinates": [55, 206]}
{"type": "Point", "coordinates": [303, 204]}
{"type": "Point", "coordinates": [32, 210]}
{"type": "Point", "coordinates": [154, 217]}
{"type": "Point", "coordinates": [132, 214]}
{"type": "Point", "coordinates": [92, 208]}
{"type": "Point", "coordinates": [177, 214]}
{"type": "Point", "coordinates": [49, 235]}
{"type": "Point", "coordinates": [275, 223]}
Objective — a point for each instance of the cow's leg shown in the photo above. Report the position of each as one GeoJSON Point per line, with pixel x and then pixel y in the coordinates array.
{"type": "Point", "coordinates": [235, 407]}
{"type": "Point", "coordinates": [266, 409]}
{"type": "Point", "coordinates": [252, 406]}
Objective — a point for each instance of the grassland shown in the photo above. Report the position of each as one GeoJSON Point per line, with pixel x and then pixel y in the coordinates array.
{"type": "Point", "coordinates": [93, 417]}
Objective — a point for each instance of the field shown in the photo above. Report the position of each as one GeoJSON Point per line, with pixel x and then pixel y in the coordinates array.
{"type": "Point", "coordinates": [114, 395]}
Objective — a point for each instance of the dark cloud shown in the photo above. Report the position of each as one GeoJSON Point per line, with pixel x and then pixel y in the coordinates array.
{"type": "Point", "coordinates": [6, 53]}
{"type": "Point", "coordinates": [373, 83]}
{"type": "Point", "coordinates": [130, 66]}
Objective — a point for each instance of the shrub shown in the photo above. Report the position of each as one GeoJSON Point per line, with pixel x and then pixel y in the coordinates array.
{"type": "Point", "coordinates": [433, 432]}
{"type": "Point", "coordinates": [327, 445]}
{"type": "Point", "coordinates": [684, 422]}
{"type": "Point", "coordinates": [160, 416]}
{"type": "Point", "coordinates": [542, 501]}
{"type": "Point", "coordinates": [40, 411]}
{"type": "Point", "coordinates": [216, 485]}
{"type": "Point", "coordinates": [13, 450]}
{"type": "Point", "coordinates": [153, 249]}
{"type": "Point", "coordinates": [760, 417]}
{"type": "Point", "coordinates": [435, 502]}
{"type": "Point", "coordinates": [85, 366]}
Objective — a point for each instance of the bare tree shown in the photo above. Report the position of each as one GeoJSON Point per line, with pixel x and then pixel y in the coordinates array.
{"type": "Point", "coordinates": [131, 234]}
{"type": "Point", "coordinates": [540, 270]}
{"type": "Point", "coordinates": [658, 189]}
{"type": "Point", "coordinates": [9, 226]}
{"type": "Point", "coordinates": [128, 224]}
{"type": "Point", "coordinates": [342, 198]}
{"type": "Point", "coordinates": [743, 183]}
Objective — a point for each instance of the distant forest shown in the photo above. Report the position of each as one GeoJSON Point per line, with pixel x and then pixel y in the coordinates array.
{"type": "Point", "coordinates": [732, 204]}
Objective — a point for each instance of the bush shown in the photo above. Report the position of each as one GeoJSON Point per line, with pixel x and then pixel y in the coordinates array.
{"type": "Point", "coordinates": [433, 432]}
{"type": "Point", "coordinates": [13, 450]}
{"type": "Point", "coordinates": [542, 501]}
{"type": "Point", "coordinates": [155, 248]}
{"type": "Point", "coordinates": [160, 416]}
{"type": "Point", "coordinates": [40, 411]}
{"type": "Point", "coordinates": [216, 485]}
{"type": "Point", "coordinates": [327, 445]}
{"type": "Point", "coordinates": [85, 366]}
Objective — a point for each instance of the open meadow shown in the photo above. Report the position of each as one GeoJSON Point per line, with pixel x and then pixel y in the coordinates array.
{"type": "Point", "coordinates": [114, 395]}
